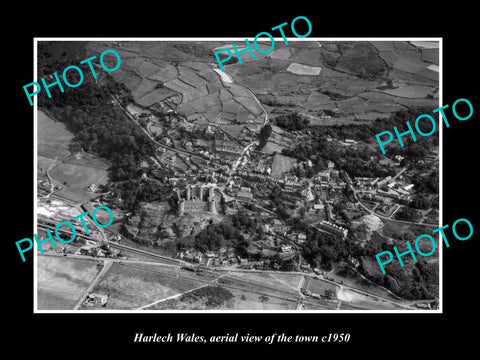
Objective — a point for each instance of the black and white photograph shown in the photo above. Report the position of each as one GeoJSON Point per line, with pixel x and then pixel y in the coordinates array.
{"type": "Point", "coordinates": [252, 184]}
{"type": "Point", "coordinates": [218, 179]}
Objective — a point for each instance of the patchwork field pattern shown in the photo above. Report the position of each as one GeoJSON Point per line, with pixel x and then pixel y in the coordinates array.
{"type": "Point", "coordinates": [371, 79]}
{"type": "Point", "coordinates": [163, 72]}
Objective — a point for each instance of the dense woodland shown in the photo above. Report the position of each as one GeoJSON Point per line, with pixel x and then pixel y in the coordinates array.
{"type": "Point", "coordinates": [415, 281]}
{"type": "Point", "coordinates": [87, 110]}
{"type": "Point", "coordinates": [292, 122]}
{"type": "Point", "coordinates": [322, 249]}
{"type": "Point", "coordinates": [358, 162]}
{"type": "Point", "coordinates": [134, 192]}
{"type": "Point", "coordinates": [228, 233]}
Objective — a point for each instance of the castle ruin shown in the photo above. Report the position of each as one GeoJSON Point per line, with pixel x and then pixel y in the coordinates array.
{"type": "Point", "coordinates": [197, 198]}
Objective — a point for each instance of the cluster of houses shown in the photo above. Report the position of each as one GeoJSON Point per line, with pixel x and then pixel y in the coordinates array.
{"type": "Point", "coordinates": [95, 300]}
{"type": "Point", "coordinates": [396, 189]}
{"type": "Point", "coordinates": [240, 192]}
{"type": "Point", "coordinates": [93, 249]}
{"type": "Point", "coordinates": [224, 257]}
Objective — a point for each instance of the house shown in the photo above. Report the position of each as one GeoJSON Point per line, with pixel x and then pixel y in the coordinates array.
{"type": "Point", "coordinates": [88, 249]}
{"type": "Point", "coordinates": [305, 267]}
{"type": "Point", "coordinates": [307, 194]}
{"type": "Point", "coordinates": [334, 229]}
{"type": "Point", "coordinates": [324, 176]}
{"type": "Point", "coordinates": [301, 238]}
{"type": "Point", "coordinates": [94, 299]}
{"type": "Point", "coordinates": [286, 248]}
{"type": "Point", "coordinates": [391, 185]}
{"type": "Point", "coordinates": [408, 187]}
{"type": "Point", "coordinates": [244, 195]}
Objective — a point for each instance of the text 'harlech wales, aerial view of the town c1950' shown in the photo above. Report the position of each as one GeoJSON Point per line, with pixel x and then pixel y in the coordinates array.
{"type": "Point", "coordinates": [260, 188]}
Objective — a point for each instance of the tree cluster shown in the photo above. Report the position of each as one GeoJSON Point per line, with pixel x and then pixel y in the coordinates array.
{"type": "Point", "coordinates": [321, 249]}
{"type": "Point", "coordinates": [265, 133]}
{"type": "Point", "coordinates": [361, 59]}
{"type": "Point", "coordinates": [133, 192]}
{"type": "Point", "coordinates": [419, 283]}
{"type": "Point", "coordinates": [408, 214]}
{"type": "Point", "coordinates": [292, 122]}
{"type": "Point", "coordinates": [215, 236]}
{"type": "Point", "coordinates": [416, 282]}
{"type": "Point", "coordinates": [215, 295]}
{"type": "Point", "coordinates": [354, 162]}
{"type": "Point", "coordinates": [421, 202]}
{"type": "Point", "coordinates": [99, 126]}
{"type": "Point", "coordinates": [429, 184]}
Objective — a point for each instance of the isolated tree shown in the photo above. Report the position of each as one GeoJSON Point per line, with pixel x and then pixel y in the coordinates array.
{"type": "Point", "coordinates": [329, 294]}
{"type": "Point", "coordinates": [263, 298]}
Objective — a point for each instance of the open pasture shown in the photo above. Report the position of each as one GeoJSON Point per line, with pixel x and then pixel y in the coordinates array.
{"type": "Point", "coordinates": [78, 176]}
{"type": "Point", "coordinates": [53, 138]}
{"type": "Point", "coordinates": [61, 281]}
{"type": "Point", "coordinates": [133, 286]}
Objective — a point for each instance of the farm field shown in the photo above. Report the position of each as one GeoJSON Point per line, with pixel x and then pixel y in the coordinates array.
{"type": "Point", "coordinates": [162, 71]}
{"type": "Point", "coordinates": [134, 286]}
{"type": "Point", "coordinates": [248, 291]}
{"type": "Point", "coordinates": [61, 281]}
{"type": "Point", "coordinates": [53, 138]}
{"type": "Point", "coordinates": [78, 176]}
{"type": "Point", "coordinates": [240, 300]}
{"type": "Point", "coordinates": [300, 77]}
{"type": "Point", "coordinates": [353, 71]}
{"type": "Point", "coordinates": [300, 69]}
{"type": "Point", "coordinates": [76, 173]}
{"type": "Point", "coordinates": [72, 173]}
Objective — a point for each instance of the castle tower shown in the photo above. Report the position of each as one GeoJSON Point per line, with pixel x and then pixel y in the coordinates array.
{"type": "Point", "coordinates": [212, 206]}
{"type": "Point", "coordinates": [181, 207]}
{"type": "Point", "coordinates": [211, 195]}
{"type": "Point", "coordinates": [188, 193]}
{"type": "Point", "coordinates": [177, 191]}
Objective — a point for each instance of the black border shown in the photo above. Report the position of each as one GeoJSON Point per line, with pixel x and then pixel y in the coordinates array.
{"type": "Point", "coordinates": [369, 332]}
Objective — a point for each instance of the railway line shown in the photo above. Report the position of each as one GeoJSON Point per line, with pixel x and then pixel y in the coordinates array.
{"type": "Point", "coordinates": [122, 247]}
